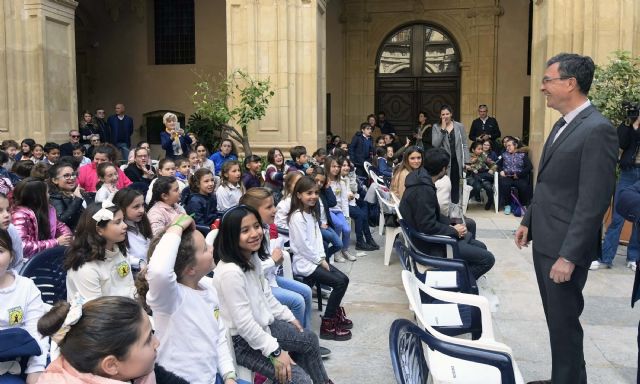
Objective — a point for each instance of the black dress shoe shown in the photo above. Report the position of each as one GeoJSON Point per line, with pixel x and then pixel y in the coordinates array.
{"type": "Point", "coordinates": [372, 243]}
{"type": "Point", "coordinates": [540, 382]}
{"type": "Point", "coordinates": [364, 247]}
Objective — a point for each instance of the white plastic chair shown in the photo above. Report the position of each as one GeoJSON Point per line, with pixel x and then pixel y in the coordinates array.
{"type": "Point", "coordinates": [447, 369]}
{"type": "Point", "coordinates": [367, 165]}
{"type": "Point", "coordinates": [390, 232]}
{"type": "Point", "coordinates": [376, 179]}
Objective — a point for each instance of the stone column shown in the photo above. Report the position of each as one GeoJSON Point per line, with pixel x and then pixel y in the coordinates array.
{"type": "Point", "coordinates": [588, 27]}
{"type": "Point", "coordinates": [37, 69]}
{"type": "Point", "coordinates": [283, 41]}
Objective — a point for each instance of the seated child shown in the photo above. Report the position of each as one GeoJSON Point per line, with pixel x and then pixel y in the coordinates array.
{"type": "Point", "coordinates": [230, 189]}
{"type": "Point", "coordinates": [199, 200]}
{"type": "Point", "coordinates": [164, 203]}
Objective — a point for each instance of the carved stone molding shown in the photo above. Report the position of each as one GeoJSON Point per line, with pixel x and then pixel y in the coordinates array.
{"type": "Point", "coordinates": [498, 10]}
{"type": "Point", "coordinates": [136, 6]}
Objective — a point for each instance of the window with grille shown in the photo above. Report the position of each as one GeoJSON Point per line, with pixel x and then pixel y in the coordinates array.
{"type": "Point", "coordinates": [174, 29]}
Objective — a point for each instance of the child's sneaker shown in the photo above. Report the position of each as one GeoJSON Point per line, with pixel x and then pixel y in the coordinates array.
{"type": "Point", "coordinates": [632, 265]}
{"type": "Point", "coordinates": [338, 258]}
{"type": "Point", "coordinates": [349, 256]}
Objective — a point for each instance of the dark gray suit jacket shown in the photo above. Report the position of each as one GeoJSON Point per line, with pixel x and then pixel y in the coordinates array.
{"type": "Point", "coordinates": [576, 179]}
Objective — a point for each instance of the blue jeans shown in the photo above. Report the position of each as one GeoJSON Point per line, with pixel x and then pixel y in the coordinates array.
{"type": "Point", "coordinates": [124, 150]}
{"type": "Point", "coordinates": [329, 236]}
{"type": "Point", "coordinates": [612, 237]}
{"type": "Point", "coordinates": [342, 226]}
{"type": "Point", "coordinates": [296, 296]}
{"type": "Point", "coordinates": [361, 220]}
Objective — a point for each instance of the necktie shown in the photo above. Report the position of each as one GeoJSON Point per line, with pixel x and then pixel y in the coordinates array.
{"type": "Point", "coordinates": [556, 127]}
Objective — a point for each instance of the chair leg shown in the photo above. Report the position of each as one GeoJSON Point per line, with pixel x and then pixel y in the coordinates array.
{"type": "Point", "coordinates": [319, 293]}
{"type": "Point", "coordinates": [388, 244]}
{"type": "Point", "coordinates": [381, 223]}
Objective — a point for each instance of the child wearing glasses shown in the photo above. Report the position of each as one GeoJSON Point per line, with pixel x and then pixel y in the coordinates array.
{"type": "Point", "coordinates": [65, 195]}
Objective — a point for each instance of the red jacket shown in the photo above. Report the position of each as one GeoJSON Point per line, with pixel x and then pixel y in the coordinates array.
{"type": "Point", "coordinates": [88, 177]}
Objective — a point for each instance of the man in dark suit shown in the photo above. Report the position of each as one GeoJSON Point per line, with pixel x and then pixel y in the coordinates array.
{"type": "Point", "coordinates": [484, 127]}
{"type": "Point", "coordinates": [120, 129]}
{"type": "Point", "coordinates": [576, 178]}
{"type": "Point", "coordinates": [628, 206]}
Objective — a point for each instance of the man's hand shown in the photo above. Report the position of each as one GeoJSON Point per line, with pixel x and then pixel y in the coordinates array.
{"type": "Point", "coordinates": [521, 237]}
{"type": "Point", "coordinates": [561, 270]}
{"type": "Point", "coordinates": [461, 229]}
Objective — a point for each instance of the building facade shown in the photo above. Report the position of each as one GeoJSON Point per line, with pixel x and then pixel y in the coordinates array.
{"type": "Point", "coordinates": [331, 62]}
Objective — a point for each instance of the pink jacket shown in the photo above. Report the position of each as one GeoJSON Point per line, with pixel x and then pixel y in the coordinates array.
{"type": "Point", "coordinates": [88, 177]}
{"type": "Point", "coordinates": [161, 215]}
{"type": "Point", "coordinates": [24, 219]}
{"type": "Point", "coordinates": [61, 372]}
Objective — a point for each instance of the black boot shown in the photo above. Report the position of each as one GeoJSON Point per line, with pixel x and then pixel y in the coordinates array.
{"type": "Point", "coordinates": [372, 243]}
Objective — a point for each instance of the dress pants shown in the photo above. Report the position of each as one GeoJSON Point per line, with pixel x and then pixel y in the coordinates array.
{"type": "Point", "coordinates": [563, 304]}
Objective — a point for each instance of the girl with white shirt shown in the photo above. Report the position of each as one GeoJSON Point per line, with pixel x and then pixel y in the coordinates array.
{"type": "Point", "coordinates": [340, 212]}
{"type": "Point", "coordinates": [293, 294]}
{"type": "Point", "coordinates": [306, 245]}
{"type": "Point", "coordinates": [264, 331]}
{"type": "Point", "coordinates": [96, 261]}
{"type": "Point", "coordinates": [20, 307]}
{"type": "Point", "coordinates": [185, 307]}
{"type": "Point", "coordinates": [131, 202]}
{"type": "Point", "coordinates": [284, 205]}
{"type": "Point", "coordinates": [231, 189]}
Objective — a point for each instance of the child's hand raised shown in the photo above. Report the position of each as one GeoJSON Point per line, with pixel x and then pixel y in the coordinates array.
{"type": "Point", "coordinates": [183, 222]}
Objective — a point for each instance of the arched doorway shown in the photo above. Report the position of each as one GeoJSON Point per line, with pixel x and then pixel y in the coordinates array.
{"type": "Point", "coordinates": [417, 69]}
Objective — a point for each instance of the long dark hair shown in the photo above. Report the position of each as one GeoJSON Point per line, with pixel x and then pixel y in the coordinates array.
{"type": "Point", "coordinates": [194, 180]}
{"type": "Point", "coordinates": [305, 184]}
{"type": "Point", "coordinates": [271, 158]}
{"type": "Point", "coordinates": [88, 245]}
{"type": "Point", "coordinates": [123, 199]}
{"type": "Point", "coordinates": [30, 143]}
{"type": "Point", "coordinates": [52, 173]}
{"type": "Point", "coordinates": [162, 185]}
{"type": "Point", "coordinates": [226, 246]}
{"type": "Point", "coordinates": [32, 193]}
{"type": "Point", "coordinates": [110, 325]}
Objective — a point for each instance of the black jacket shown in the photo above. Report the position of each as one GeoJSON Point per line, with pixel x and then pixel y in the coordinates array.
{"type": "Point", "coordinates": [629, 141]}
{"type": "Point", "coordinates": [628, 206]}
{"type": "Point", "coordinates": [328, 201]}
{"type": "Point", "coordinates": [419, 207]}
{"type": "Point", "coordinates": [360, 149]}
{"type": "Point", "coordinates": [490, 127]}
{"type": "Point", "coordinates": [135, 174]}
{"type": "Point", "coordinates": [68, 208]}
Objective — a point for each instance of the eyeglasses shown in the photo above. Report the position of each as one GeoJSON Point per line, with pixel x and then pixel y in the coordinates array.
{"type": "Point", "coordinates": [75, 136]}
{"type": "Point", "coordinates": [142, 156]}
{"type": "Point", "coordinates": [546, 80]}
{"type": "Point", "coordinates": [68, 176]}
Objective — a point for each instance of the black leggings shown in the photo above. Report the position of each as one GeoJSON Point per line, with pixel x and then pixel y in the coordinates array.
{"type": "Point", "coordinates": [336, 280]}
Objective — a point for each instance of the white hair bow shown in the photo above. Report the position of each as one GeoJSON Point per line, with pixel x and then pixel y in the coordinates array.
{"type": "Point", "coordinates": [73, 316]}
{"type": "Point", "coordinates": [104, 214]}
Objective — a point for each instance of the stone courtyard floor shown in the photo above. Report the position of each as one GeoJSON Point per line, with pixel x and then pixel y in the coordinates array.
{"type": "Point", "coordinates": [376, 297]}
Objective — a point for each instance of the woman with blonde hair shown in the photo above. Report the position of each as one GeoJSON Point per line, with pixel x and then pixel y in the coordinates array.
{"type": "Point", "coordinates": [173, 139]}
{"type": "Point", "coordinates": [411, 160]}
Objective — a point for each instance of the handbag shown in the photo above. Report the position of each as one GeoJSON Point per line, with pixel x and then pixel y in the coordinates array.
{"type": "Point", "coordinates": [517, 208]}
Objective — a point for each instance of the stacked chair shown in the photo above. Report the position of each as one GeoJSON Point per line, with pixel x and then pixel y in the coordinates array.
{"type": "Point", "coordinates": [434, 350]}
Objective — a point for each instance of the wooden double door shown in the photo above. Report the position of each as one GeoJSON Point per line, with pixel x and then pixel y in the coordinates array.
{"type": "Point", "coordinates": [403, 98]}
{"type": "Point", "coordinates": [417, 69]}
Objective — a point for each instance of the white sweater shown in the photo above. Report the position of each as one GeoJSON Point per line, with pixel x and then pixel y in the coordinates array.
{"type": "Point", "coordinates": [305, 240]}
{"type": "Point", "coordinates": [193, 341]}
{"type": "Point", "coordinates": [341, 191]}
{"type": "Point", "coordinates": [111, 277]}
{"type": "Point", "coordinates": [228, 196]}
{"type": "Point", "coordinates": [138, 247]}
{"type": "Point", "coordinates": [247, 304]}
{"type": "Point", "coordinates": [21, 307]}
{"type": "Point", "coordinates": [282, 211]}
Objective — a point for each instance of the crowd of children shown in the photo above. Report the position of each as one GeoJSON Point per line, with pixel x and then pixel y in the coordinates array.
{"type": "Point", "coordinates": [135, 248]}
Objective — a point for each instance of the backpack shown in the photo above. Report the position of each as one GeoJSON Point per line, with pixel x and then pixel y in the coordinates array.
{"type": "Point", "coordinates": [516, 207]}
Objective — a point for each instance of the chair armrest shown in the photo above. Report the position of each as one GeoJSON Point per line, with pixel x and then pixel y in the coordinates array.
{"type": "Point", "coordinates": [457, 265]}
{"type": "Point", "coordinates": [287, 271]}
{"type": "Point", "coordinates": [480, 302]}
{"type": "Point", "coordinates": [283, 231]}
{"type": "Point", "coordinates": [438, 239]}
